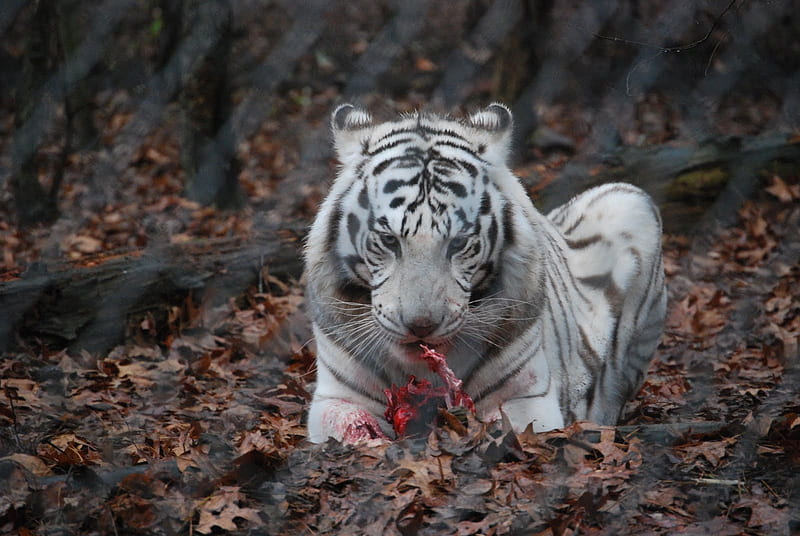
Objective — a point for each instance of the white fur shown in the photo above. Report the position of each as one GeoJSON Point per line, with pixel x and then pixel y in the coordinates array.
{"type": "Point", "coordinates": [614, 229]}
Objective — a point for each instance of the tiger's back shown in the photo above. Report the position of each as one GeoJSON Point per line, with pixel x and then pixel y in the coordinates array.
{"type": "Point", "coordinates": [427, 237]}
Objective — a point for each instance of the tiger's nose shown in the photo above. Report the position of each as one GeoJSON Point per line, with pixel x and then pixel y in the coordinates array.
{"type": "Point", "coordinates": [422, 326]}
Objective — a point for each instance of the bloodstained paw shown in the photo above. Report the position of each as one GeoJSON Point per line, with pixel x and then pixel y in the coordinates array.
{"type": "Point", "coordinates": [361, 426]}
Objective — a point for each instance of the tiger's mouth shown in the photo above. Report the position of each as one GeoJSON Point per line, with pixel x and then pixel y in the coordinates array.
{"type": "Point", "coordinates": [414, 350]}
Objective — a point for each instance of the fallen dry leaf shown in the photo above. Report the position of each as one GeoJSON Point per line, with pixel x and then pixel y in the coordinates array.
{"type": "Point", "coordinates": [222, 509]}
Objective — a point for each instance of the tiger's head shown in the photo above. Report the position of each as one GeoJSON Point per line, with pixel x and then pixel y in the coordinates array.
{"type": "Point", "coordinates": [415, 224]}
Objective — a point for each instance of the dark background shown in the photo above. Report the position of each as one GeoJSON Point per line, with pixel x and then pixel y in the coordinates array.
{"type": "Point", "coordinates": [226, 88]}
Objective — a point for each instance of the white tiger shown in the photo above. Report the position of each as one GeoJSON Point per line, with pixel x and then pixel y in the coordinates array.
{"type": "Point", "coordinates": [426, 236]}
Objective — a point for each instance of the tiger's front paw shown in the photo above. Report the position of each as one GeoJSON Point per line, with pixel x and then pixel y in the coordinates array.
{"type": "Point", "coordinates": [343, 421]}
{"type": "Point", "coordinates": [361, 426]}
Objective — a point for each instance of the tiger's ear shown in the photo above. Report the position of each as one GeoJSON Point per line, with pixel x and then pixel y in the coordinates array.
{"type": "Point", "coordinates": [496, 122]}
{"type": "Point", "coordinates": [350, 126]}
{"type": "Point", "coordinates": [494, 118]}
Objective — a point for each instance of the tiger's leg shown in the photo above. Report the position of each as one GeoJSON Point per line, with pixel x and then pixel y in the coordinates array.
{"type": "Point", "coordinates": [543, 413]}
{"type": "Point", "coordinates": [530, 397]}
{"type": "Point", "coordinates": [336, 411]}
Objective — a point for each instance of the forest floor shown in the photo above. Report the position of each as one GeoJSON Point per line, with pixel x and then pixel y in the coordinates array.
{"type": "Point", "coordinates": [197, 425]}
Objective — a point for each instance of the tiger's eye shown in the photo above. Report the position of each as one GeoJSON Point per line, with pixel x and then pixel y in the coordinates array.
{"type": "Point", "coordinates": [390, 241]}
{"type": "Point", "coordinates": [457, 244]}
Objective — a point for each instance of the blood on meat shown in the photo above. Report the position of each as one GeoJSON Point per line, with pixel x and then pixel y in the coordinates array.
{"type": "Point", "coordinates": [404, 403]}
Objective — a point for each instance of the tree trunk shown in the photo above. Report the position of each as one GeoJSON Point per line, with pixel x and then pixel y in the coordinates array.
{"type": "Point", "coordinates": [210, 164]}
{"type": "Point", "coordinates": [74, 17]}
{"type": "Point", "coordinates": [58, 30]}
{"type": "Point", "coordinates": [32, 201]}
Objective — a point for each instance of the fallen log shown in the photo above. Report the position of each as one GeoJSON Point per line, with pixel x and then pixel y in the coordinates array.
{"type": "Point", "coordinates": [669, 433]}
{"type": "Point", "coordinates": [693, 185]}
{"type": "Point", "coordinates": [81, 305]}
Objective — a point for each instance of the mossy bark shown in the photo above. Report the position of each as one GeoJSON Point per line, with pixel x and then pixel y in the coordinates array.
{"type": "Point", "coordinates": [686, 182]}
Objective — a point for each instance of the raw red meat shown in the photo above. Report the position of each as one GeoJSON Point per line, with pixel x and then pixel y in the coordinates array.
{"type": "Point", "coordinates": [404, 403]}
{"type": "Point", "coordinates": [454, 395]}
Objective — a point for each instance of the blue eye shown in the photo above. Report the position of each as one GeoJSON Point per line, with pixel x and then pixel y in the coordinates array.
{"type": "Point", "coordinates": [389, 241]}
{"type": "Point", "coordinates": [457, 244]}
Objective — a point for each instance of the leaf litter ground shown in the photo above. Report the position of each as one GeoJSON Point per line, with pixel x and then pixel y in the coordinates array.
{"type": "Point", "coordinates": [203, 432]}
{"type": "Point", "coordinates": [196, 424]}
